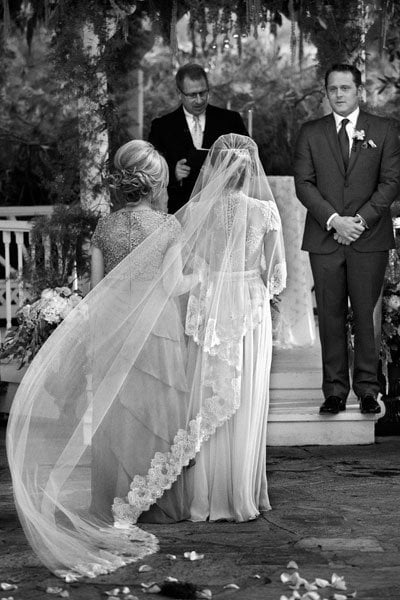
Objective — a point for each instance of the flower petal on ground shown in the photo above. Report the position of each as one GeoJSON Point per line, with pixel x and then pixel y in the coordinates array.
{"type": "Point", "coordinates": [145, 568]}
{"type": "Point", "coordinates": [296, 581]}
{"type": "Point", "coordinates": [311, 596]}
{"type": "Point", "coordinates": [171, 556]}
{"type": "Point", "coordinates": [113, 592]}
{"type": "Point", "coordinates": [125, 590]}
{"type": "Point", "coordinates": [193, 555]}
{"type": "Point", "coordinates": [69, 578]}
{"type": "Point", "coordinates": [231, 586]}
{"type": "Point", "coordinates": [256, 576]}
{"type": "Point", "coordinates": [7, 587]}
{"type": "Point", "coordinates": [292, 565]}
{"type": "Point", "coordinates": [338, 582]}
{"type": "Point", "coordinates": [171, 579]}
{"type": "Point", "coordinates": [322, 583]}
{"type": "Point", "coordinates": [153, 589]}
{"type": "Point", "coordinates": [206, 593]}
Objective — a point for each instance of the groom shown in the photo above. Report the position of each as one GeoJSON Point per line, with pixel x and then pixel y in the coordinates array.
{"type": "Point", "coordinates": [347, 174]}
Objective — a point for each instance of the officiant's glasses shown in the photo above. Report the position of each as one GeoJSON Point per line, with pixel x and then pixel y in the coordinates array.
{"type": "Point", "coordinates": [202, 95]}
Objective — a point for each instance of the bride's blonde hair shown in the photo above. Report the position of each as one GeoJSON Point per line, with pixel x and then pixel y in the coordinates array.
{"type": "Point", "coordinates": [141, 171]}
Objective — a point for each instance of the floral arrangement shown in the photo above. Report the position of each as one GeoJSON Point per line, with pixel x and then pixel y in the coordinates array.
{"type": "Point", "coordinates": [36, 322]}
{"type": "Point", "coordinates": [390, 335]}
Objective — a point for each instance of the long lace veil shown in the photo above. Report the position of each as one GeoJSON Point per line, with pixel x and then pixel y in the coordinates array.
{"type": "Point", "coordinates": [106, 420]}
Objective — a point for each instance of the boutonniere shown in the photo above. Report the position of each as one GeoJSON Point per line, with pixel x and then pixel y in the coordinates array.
{"type": "Point", "coordinates": [359, 135]}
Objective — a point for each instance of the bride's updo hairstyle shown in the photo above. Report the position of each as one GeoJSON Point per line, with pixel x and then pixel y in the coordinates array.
{"type": "Point", "coordinates": [141, 172]}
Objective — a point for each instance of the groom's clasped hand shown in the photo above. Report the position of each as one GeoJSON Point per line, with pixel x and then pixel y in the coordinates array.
{"type": "Point", "coordinates": [348, 229]}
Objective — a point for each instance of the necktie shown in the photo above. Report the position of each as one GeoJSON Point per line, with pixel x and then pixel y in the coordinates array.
{"type": "Point", "coordinates": [344, 142]}
{"type": "Point", "coordinates": [197, 134]}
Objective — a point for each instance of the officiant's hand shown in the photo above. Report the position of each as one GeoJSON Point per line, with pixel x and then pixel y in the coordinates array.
{"type": "Point", "coordinates": [182, 170]}
{"type": "Point", "coordinates": [348, 229]}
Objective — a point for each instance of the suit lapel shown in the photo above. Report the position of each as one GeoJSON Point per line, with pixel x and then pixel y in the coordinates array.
{"type": "Point", "coordinates": [362, 123]}
{"type": "Point", "coordinates": [332, 136]}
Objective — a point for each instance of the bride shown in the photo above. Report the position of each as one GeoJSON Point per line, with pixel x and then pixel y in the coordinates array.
{"type": "Point", "coordinates": [149, 402]}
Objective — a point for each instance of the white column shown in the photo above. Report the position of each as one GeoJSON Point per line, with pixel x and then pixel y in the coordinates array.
{"type": "Point", "coordinates": [140, 103]}
{"type": "Point", "coordinates": [19, 238]}
{"type": "Point", "coordinates": [250, 122]}
{"type": "Point", "coordinates": [6, 242]}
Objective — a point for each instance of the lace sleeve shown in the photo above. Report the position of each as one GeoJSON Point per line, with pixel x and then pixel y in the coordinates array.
{"type": "Point", "coordinates": [175, 230]}
{"type": "Point", "coordinates": [271, 218]}
{"type": "Point", "coordinates": [274, 275]}
{"type": "Point", "coordinates": [98, 235]}
{"type": "Point", "coordinates": [278, 279]}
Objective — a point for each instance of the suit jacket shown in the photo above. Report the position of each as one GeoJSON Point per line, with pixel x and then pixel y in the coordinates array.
{"type": "Point", "coordinates": [171, 136]}
{"type": "Point", "coordinates": [369, 186]}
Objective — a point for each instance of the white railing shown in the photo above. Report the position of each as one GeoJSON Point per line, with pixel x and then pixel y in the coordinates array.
{"type": "Point", "coordinates": [19, 246]}
{"type": "Point", "coordinates": [13, 212]}
{"type": "Point", "coordinates": [11, 287]}
{"type": "Point", "coordinates": [16, 237]}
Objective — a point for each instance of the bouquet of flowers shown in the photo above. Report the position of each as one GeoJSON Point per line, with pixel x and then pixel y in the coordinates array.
{"type": "Point", "coordinates": [36, 321]}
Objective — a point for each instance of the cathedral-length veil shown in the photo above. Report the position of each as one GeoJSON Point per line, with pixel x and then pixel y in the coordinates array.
{"type": "Point", "coordinates": [114, 373]}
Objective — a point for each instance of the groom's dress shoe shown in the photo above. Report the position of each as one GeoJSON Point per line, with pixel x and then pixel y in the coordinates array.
{"type": "Point", "coordinates": [333, 405]}
{"type": "Point", "coordinates": [369, 404]}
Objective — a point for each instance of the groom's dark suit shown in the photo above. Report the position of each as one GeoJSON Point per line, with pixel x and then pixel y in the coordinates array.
{"type": "Point", "coordinates": [171, 136]}
{"type": "Point", "coordinates": [354, 271]}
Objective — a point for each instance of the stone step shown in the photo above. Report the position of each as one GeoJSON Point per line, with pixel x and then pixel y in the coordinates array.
{"type": "Point", "coordinates": [298, 423]}
{"type": "Point", "coordinates": [305, 379]}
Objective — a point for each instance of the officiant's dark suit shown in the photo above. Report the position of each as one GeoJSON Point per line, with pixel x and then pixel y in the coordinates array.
{"type": "Point", "coordinates": [171, 136]}
{"type": "Point", "coordinates": [348, 230]}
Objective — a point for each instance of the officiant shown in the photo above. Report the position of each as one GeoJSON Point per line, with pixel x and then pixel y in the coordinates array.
{"type": "Point", "coordinates": [185, 135]}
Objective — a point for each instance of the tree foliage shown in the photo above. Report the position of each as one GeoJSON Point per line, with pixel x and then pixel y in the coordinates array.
{"type": "Point", "coordinates": [38, 128]}
{"type": "Point", "coordinates": [40, 117]}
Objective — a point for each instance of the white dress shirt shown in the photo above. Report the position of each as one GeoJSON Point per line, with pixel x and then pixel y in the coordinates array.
{"type": "Point", "coordinates": [190, 119]}
{"type": "Point", "coordinates": [351, 125]}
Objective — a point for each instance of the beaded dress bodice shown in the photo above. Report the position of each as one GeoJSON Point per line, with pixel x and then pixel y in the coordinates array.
{"type": "Point", "coordinates": [121, 232]}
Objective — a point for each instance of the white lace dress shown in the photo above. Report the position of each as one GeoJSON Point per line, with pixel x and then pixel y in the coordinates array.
{"type": "Point", "coordinates": [229, 479]}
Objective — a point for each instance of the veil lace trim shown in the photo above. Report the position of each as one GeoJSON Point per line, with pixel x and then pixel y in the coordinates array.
{"type": "Point", "coordinates": [225, 381]}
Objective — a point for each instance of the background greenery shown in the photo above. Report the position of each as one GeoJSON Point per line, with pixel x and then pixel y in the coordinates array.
{"type": "Point", "coordinates": [44, 74]}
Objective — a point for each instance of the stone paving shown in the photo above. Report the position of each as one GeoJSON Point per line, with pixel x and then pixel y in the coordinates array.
{"type": "Point", "coordinates": [336, 509]}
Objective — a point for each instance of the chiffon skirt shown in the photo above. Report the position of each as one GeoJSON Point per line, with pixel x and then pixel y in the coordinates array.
{"type": "Point", "coordinates": [143, 420]}
{"type": "Point", "coordinates": [228, 480]}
